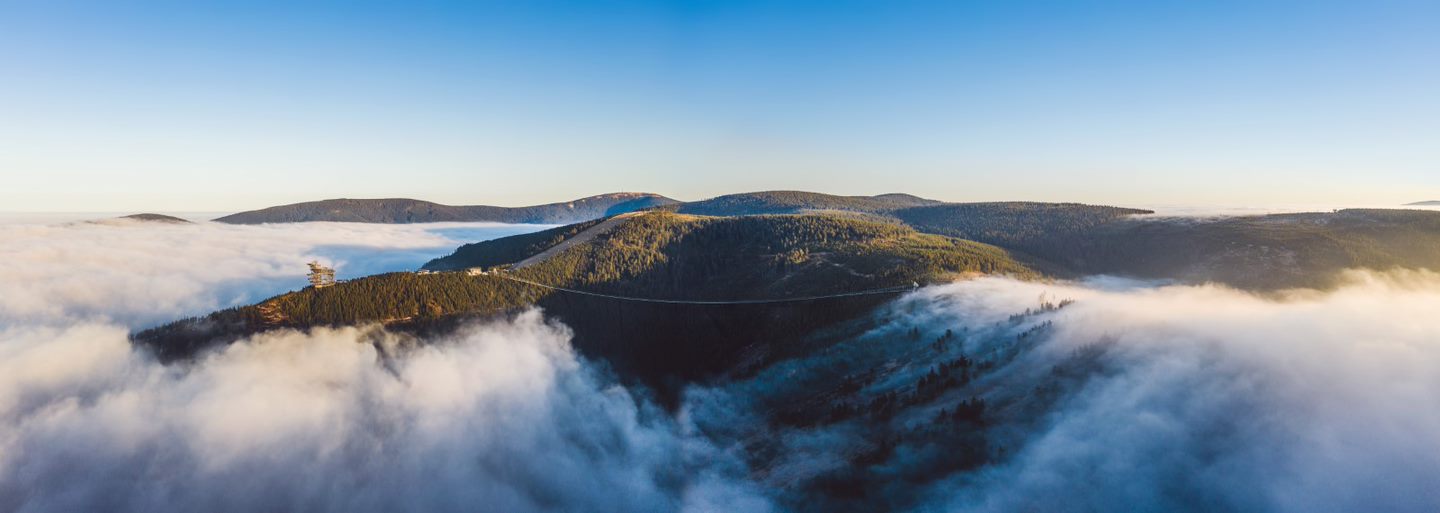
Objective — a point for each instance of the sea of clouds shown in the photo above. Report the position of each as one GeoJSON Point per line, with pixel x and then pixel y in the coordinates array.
{"type": "Point", "coordinates": [1209, 399]}
{"type": "Point", "coordinates": [144, 273]}
{"type": "Point", "coordinates": [501, 416]}
{"type": "Point", "coordinates": [497, 417]}
{"type": "Point", "coordinates": [1193, 398]}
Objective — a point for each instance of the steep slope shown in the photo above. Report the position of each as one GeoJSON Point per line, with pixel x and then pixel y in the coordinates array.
{"type": "Point", "coordinates": [582, 237]}
{"type": "Point", "coordinates": [506, 250]}
{"type": "Point", "coordinates": [400, 210]}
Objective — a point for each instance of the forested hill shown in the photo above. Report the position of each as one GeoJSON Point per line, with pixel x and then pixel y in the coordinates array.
{"type": "Point", "coordinates": [657, 255]}
{"type": "Point", "coordinates": [400, 210]}
{"type": "Point", "coordinates": [1251, 252]}
{"type": "Point", "coordinates": [1011, 223]}
{"type": "Point", "coordinates": [507, 250]}
{"type": "Point", "coordinates": [156, 218]}
{"type": "Point", "coordinates": [678, 256]}
{"type": "Point", "coordinates": [998, 223]}
{"type": "Point", "coordinates": [791, 202]}
{"type": "Point", "coordinates": [664, 255]}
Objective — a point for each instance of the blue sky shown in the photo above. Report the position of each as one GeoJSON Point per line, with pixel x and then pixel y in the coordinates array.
{"type": "Point", "coordinates": [118, 105]}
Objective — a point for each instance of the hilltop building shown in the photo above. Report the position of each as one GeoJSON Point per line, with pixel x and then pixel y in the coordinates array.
{"type": "Point", "coordinates": [321, 276]}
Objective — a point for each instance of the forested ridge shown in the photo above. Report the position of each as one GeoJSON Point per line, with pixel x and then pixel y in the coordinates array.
{"type": "Point", "coordinates": [895, 207]}
{"type": "Point", "coordinates": [790, 202]}
{"type": "Point", "coordinates": [156, 218]}
{"type": "Point", "coordinates": [662, 255]}
{"type": "Point", "coordinates": [405, 210]}
{"type": "Point", "coordinates": [669, 255]}
{"type": "Point", "coordinates": [1251, 252]}
{"type": "Point", "coordinates": [1018, 224]}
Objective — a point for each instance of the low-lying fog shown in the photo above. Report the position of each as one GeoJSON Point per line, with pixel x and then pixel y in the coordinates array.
{"type": "Point", "coordinates": [140, 273]}
{"type": "Point", "coordinates": [1193, 398]}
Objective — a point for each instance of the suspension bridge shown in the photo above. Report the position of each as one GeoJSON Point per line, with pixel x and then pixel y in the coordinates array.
{"type": "Point", "coordinates": [870, 292]}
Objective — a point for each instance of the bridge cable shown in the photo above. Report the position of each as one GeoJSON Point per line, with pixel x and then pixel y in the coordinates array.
{"type": "Point", "coordinates": [871, 292]}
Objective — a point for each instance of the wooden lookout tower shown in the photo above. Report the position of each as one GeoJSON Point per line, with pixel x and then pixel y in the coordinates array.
{"type": "Point", "coordinates": [321, 276]}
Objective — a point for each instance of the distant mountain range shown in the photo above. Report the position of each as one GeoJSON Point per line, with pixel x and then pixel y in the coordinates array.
{"type": "Point", "coordinates": [892, 207]}
{"type": "Point", "coordinates": [1435, 203]}
{"type": "Point", "coordinates": [403, 210]}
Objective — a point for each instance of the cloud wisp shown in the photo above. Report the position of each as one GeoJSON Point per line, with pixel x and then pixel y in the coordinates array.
{"type": "Point", "coordinates": [140, 273]}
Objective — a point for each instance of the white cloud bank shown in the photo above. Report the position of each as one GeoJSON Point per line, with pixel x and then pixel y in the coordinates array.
{"type": "Point", "coordinates": [1209, 399]}
{"type": "Point", "coordinates": [143, 273]}
{"type": "Point", "coordinates": [1217, 400]}
{"type": "Point", "coordinates": [499, 417]}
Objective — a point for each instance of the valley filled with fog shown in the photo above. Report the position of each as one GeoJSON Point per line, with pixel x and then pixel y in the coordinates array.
{"type": "Point", "coordinates": [719, 257]}
{"type": "Point", "coordinates": [141, 273]}
{"type": "Point", "coordinates": [1099, 394]}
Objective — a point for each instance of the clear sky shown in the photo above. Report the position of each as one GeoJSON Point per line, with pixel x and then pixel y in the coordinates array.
{"type": "Point", "coordinates": [120, 105]}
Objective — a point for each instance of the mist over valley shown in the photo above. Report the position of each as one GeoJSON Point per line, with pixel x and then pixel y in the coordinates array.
{"type": "Point", "coordinates": [719, 257]}
{"type": "Point", "coordinates": [981, 376]}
